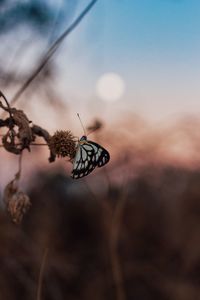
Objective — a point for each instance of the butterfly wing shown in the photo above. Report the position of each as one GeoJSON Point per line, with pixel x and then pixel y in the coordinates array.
{"type": "Point", "coordinates": [88, 156]}
{"type": "Point", "coordinates": [84, 161]}
{"type": "Point", "coordinates": [102, 156]}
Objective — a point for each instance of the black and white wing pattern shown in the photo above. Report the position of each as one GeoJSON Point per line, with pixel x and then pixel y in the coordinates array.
{"type": "Point", "coordinates": [89, 155]}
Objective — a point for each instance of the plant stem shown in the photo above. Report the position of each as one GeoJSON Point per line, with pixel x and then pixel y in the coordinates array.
{"type": "Point", "coordinates": [114, 238]}
{"type": "Point", "coordinates": [38, 144]}
{"type": "Point", "coordinates": [7, 103]}
{"type": "Point", "coordinates": [33, 144]}
{"type": "Point", "coordinates": [51, 51]}
{"type": "Point", "coordinates": [41, 274]}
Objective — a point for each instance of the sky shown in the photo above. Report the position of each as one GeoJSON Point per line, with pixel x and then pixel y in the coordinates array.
{"type": "Point", "coordinates": [153, 45]}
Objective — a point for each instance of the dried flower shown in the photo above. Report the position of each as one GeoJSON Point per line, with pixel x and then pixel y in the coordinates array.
{"type": "Point", "coordinates": [16, 201]}
{"type": "Point", "coordinates": [19, 135]}
{"type": "Point", "coordinates": [63, 144]}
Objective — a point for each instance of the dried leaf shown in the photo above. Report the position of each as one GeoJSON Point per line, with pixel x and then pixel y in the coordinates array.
{"type": "Point", "coordinates": [24, 130]}
{"type": "Point", "coordinates": [16, 201]}
{"type": "Point", "coordinates": [37, 130]}
{"type": "Point", "coordinates": [9, 144]}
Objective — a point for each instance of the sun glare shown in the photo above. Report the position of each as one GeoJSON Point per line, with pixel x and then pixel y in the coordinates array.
{"type": "Point", "coordinates": [110, 87]}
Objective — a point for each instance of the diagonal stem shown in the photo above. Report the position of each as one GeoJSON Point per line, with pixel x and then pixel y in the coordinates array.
{"type": "Point", "coordinates": [51, 51]}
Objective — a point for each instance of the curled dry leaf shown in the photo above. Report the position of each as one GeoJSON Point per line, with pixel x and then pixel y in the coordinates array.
{"type": "Point", "coordinates": [16, 201]}
{"type": "Point", "coordinates": [9, 144]}
{"type": "Point", "coordinates": [39, 131]}
{"type": "Point", "coordinates": [24, 131]}
{"type": "Point", "coordinates": [19, 135]}
{"type": "Point", "coordinates": [21, 132]}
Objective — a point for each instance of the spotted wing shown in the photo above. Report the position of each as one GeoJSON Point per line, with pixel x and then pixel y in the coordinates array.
{"type": "Point", "coordinates": [102, 156]}
{"type": "Point", "coordinates": [88, 156]}
{"type": "Point", "coordinates": [84, 161]}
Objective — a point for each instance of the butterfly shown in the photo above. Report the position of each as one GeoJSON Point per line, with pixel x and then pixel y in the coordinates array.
{"type": "Point", "coordinates": [89, 155]}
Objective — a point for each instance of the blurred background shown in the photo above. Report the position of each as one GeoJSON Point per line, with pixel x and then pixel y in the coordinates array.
{"type": "Point", "coordinates": [131, 229]}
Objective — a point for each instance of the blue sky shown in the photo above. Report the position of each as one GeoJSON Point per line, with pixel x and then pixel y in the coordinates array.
{"type": "Point", "coordinates": [153, 44]}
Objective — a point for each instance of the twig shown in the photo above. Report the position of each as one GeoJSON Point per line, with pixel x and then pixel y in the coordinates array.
{"type": "Point", "coordinates": [32, 144]}
{"type": "Point", "coordinates": [7, 103]}
{"type": "Point", "coordinates": [4, 97]}
{"type": "Point", "coordinates": [51, 51]}
{"type": "Point", "coordinates": [20, 163]}
{"type": "Point", "coordinates": [38, 144]}
{"type": "Point", "coordinates": [39, 287]}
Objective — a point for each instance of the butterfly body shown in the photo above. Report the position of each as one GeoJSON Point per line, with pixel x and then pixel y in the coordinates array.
{"type": "Point", "coordinates": [89, 155]}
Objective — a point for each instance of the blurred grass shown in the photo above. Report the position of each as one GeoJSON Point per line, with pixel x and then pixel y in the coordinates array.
{"type": "Point", "coordinates": [157, 243]}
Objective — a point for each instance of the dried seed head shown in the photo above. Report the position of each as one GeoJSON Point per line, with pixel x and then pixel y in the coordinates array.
{"type": "Point", "coordinates": [62, 143]}
{"type": "Point", "coordinates": [96, 125]}
{"type": "Point", "coordinates": [17, 202]}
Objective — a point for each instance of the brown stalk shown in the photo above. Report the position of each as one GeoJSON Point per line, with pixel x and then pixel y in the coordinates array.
{"type": "Point", "coordinates": [114, 238]}
{"type": "Point", "coordinates": [7, 103]}
{"type": "Point", "coordinates": [41, 274]}
{"type": "Point", "coordinates": [32, 144]}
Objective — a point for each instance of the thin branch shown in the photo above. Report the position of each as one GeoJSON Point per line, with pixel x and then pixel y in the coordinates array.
{"type": "Point", "coordinates": [38, 144]}
{"type": "Point", "coordinates": [4, 97]}
{"type": "Point", "coordinates": [7, 103]}
{"type": "Point", "coordinates": [20, 163]}
{"type": "Point", "coordinates": [51, 51]}
{"type": "Point", "coordinates": [32, 144]}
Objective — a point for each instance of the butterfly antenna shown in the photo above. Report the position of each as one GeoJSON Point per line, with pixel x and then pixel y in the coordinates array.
{"type": "Point", "coordinates": [82, 125]}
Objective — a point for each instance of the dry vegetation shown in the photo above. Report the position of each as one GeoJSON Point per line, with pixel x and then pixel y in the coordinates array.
{"type": "Point", "coordinates": [157, 239]}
